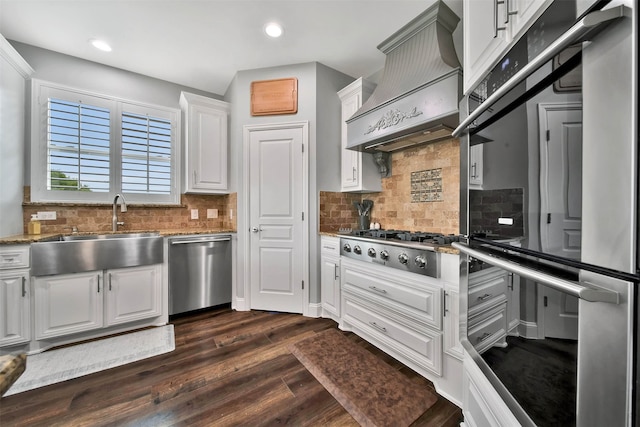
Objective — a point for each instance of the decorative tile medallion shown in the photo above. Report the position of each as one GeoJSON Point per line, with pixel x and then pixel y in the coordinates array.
{"type": "Point", "coordinates": [426, 186]}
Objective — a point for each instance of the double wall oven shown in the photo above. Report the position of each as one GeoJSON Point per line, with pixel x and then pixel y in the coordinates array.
{"type": "Point", "coordinates": [557, 214]}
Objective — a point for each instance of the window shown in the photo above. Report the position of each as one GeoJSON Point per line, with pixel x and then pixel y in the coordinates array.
{"type": "Point", "coordinates": [87, 148]}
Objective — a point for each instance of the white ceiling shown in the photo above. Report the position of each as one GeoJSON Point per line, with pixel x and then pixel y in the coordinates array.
{"type": "Point", "coordinates": [203, 43]}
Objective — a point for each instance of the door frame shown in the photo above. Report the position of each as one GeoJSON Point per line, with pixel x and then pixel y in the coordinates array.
{"type": "Point", "coordinates": [244, 302]}
{"type": "Point", "coordinates": [542, 146]}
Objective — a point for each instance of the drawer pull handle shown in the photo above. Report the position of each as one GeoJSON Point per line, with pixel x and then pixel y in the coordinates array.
{"type": "Point", "coordinates": [378, 327]}
{"type": "Point", "coordinates": [373, 288]}
{"type": "Point", "coordinates": [8, 259]}
{"type": "Point", "coordinates": [484, 337]}
{"type": "Point", "coordinates": [331, 248]}
{"type": "Point", "coordinates": [485, 296]}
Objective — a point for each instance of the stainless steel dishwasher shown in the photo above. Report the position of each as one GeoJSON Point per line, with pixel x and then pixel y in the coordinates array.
{"type": "Point", "coordinates": [199, 272]}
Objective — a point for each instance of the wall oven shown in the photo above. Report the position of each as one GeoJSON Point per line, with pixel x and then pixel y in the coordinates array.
{"type": "Point", "coordinates": [549, 273]}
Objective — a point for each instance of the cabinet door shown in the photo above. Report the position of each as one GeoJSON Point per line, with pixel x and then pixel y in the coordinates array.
{"type": "Point", "coordinates": [484, 41]}
{"type": "Point", "coordinates": [359, 170]}
{"type": "Point", "coordinates": [330, 285]}
{"type": "Point", "coordinates": [451, 323]}
{"type": "Point", "coordinates": [523, 13]}
{"type": "Point", "coordinates": [475, 166]}
{"type": "Point", "coordinates": [513, 304]}
{"type": "Point", "coordinates": [133, 294]}
{"type": "Point", "coordinates": [15, 323]}
{"type": "Point", "coordinates": [351, 160]}
{"type": "Point", "coordinates": [206, 144]}
{"type": "Point", "coordinates": [68, 304]}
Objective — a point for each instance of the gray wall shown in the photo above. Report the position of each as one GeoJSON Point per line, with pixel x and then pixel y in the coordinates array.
{"type": "Point", "coordinates": [318, 103]}
{"type": "Point", "coordinates": [91, 76]}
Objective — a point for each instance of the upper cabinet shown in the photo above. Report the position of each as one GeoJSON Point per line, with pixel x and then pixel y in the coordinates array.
{"type": "Point", "coordinates": [205, 144]}
{"type": "Point", "coordinates": [490, 28]}
{"type": "Point", "coordinates": [359, 170]}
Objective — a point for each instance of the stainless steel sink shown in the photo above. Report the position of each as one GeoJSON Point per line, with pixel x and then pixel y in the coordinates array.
{"type": "Point", "coordinates": [74, 237]}
{"type": "Point", "coordinates": [89, 252]}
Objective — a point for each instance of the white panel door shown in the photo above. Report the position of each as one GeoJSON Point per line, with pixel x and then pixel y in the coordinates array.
{"type": "Point", "coordinates": [276, 209]}
{"type": "Point", "coordinates": [15, 315]}
{"type": "Point", "coordinates": [560, 206]}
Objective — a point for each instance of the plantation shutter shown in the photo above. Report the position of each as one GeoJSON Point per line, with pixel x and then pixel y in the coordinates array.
{"type": "Point", "coordinates": [146, 154]}
{"type": "Point", "coordinates": [78, 140]}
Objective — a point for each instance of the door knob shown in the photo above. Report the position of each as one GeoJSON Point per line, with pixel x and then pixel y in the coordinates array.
{"type": "Point", "coordinates": [254, 229]}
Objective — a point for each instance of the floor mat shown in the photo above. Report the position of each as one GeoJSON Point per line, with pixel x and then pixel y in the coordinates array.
{"type": "Point", "coordinates": [54, 366]}
{"type": "Point", "coordinates": [374, 393]}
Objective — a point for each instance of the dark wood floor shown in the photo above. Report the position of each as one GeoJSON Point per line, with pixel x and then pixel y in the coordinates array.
{"type": "Point", "coordinates": [229, 369]}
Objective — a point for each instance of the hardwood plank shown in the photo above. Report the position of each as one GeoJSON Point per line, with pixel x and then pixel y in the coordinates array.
{"type": "Point", "coordinates": [229, 368]}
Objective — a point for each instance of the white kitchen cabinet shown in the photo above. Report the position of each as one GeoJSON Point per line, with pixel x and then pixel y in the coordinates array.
{"type": "Point", "coordinates": [359, 170]}
{"type": "Point", "coordinates": [72, 303]}
{"type": "Point", "coordinates": [15, 301]}
{"type": "Point", "coordinates": [206, 144]}
{"type": "Point", "coordinates": [451, 322]}
{"type": "Point", "coordinates": [513, 304]}
{"type": "Point", "coordinates": [491, 27]}
{"type": "Point", "coordinates": [482, 406]}
{"type": "Point", "coordinates": [487, 302]}
{"type": "Point", "coordinates": [330, 277]}
{"type": "Point", "coordinates": [133, 294]}
{"type": "Point", "coordinates": [399, 312]}
{"type": "Point", "coordinates": [475, 166]}
{"type": "Point", "coordinates": [68, 303]}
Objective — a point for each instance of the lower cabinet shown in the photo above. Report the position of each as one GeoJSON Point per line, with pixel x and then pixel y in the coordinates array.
{"type": "Point", "coordinates": [487, 316]}
{"type": "Point", "coordinates": [15, 303]}
{"type": "Point", "coordinates": [330, 277]}
{"type": "Point", "coordinates": [482, 406]}
{"type": "Point", "coordinates": [396, 311]}
{"type": "Point", "coordinates": [72, 303]}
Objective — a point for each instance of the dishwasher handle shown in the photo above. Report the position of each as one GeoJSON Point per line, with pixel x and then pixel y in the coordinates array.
{"type": "Point", "coordinates": [215, 239]}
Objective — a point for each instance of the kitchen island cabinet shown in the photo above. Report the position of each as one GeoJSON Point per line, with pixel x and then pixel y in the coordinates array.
{"type": "Point", "coordinates": [15, 296]}
{"type": "Point", "coordinates": [206, 144]}
{"type": "Point", "coordinates": [359, 170]}
{"type": "Point", "coordinates": [68, 304]}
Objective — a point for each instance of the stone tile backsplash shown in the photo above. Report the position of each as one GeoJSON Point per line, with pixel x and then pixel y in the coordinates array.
{"type": "Point", "coordinates": [486, 206]}
{"type": "Point", "coordinates": [97, 217]}
{"type": "Point", "coordinates": [393, 207]}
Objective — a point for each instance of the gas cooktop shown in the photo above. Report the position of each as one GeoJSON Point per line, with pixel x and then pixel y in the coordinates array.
{"type": "Point", "coordinates": [399, 236]}
{"type": "Point", "coordinates": [414, 252]}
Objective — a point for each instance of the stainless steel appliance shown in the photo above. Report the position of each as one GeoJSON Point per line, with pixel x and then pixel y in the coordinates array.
{"type": "Point", "coordinates": [414, 252]}
{"type": "Point", "coordinates": [199, 272]}
{"type": "Point", "coordinates": [556, 118]}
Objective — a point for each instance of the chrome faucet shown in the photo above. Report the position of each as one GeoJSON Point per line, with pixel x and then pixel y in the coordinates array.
{"type": "Point", "coordinates": [123, 208]}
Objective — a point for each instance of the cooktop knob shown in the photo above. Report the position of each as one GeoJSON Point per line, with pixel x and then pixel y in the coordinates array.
{"type": "Point", "coordinates": [384, 254]}
{"type": "Point", "coordinates": [371, 252]}
{"type": "Point", "coordinates": [346, 247]}
{"type": "Point", "coordinates": [421, 261]}
{"type": "Point", "coordinates": [357, 250]}
{"type": "Point", "coordinates": [403, 258]}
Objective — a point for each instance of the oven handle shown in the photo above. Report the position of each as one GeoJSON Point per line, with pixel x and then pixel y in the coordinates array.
{"type": "Point", "coordinates": [587, 293]}
{"type": "Point", "coordinates": [579, 32]}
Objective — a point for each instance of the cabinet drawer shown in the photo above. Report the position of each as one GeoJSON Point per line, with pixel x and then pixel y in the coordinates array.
{"type": "Point", "coordinates": [425, 345]}
{"type": "Point", "coordinates": [14, 257]}
{"type": "Point", "coordinates": [424, 300]}
{"type": "Point", "coordinates": [487, 290]}
{"type": "Point", "coordinates": [488, 327]}
{"type": "Point", "coordinates": [330, 245]}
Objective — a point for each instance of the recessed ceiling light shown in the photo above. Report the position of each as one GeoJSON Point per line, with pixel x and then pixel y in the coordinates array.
{"type": "Point", "coordinates": [273, 29]}
{"type": "Point", "coordinates": [100, 44]}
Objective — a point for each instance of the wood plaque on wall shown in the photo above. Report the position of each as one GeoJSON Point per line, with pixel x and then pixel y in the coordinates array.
{"type": "Point", "coordinates": [269, 97]}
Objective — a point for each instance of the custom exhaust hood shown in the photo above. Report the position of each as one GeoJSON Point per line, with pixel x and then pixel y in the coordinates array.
{"type": "Point", "coordinates": [417, 99]}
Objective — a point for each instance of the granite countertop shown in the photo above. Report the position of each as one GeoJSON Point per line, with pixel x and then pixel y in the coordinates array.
{"type": "Point", "coordinates": [33, 238]}
{"type": "Point", "coordinates": [11, 367]}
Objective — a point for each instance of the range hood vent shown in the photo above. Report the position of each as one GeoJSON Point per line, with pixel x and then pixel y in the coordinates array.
{"type": "Point", "coordinates": [417, 99]}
